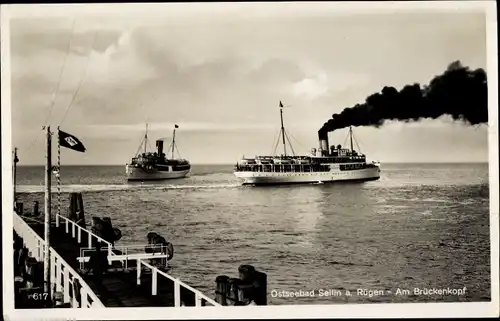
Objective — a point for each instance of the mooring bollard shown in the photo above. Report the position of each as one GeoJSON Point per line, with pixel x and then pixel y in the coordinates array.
{"type": "Point", "coordinates": [72, 207]}
{"type": "Point", "coordinates": [260, 282]}
{"type": "Point", "coordinates": [249, 289]}
{"type": "Point", "coordinates": [36, 210]}
{"type": "Point", "coordinates": [19, 208]}
{"type": "Point", "coordinates": [254, 285]}
{"type": "Point", "coordinates": [80, 213]}
{"type": "Point", "coordinates": [246, 274]}
{"type": "Point", "coordinates": [221, 289]}
{"type": "Point", "coordinates": [232, 291]}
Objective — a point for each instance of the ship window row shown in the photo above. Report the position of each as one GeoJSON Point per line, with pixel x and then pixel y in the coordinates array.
{"type": "Point", "coordinates": [337, 160]}
{"type": "Point", "coordinates": [351, 167]}
{"type": "Point", "coordinates": [299, 168]}
{"type": "Point", "coordinates": [283, 168]}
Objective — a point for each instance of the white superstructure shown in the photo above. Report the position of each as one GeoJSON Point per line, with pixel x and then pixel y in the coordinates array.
{"type": "Point", "coordinates": [328, 164]}
{"type": "Point", "coordinates": [155, 165]}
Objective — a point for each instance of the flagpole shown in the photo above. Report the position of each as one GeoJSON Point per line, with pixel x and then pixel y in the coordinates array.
{"type": "Point", "coordinates": [16, 160]}
{"type": "Point", "coordinates": [48, 178]}
{"type": "Point", "coordinates": [58, 176]}
{"type": "Point", "coordinates": [282, 128]}
{"type": "Point", "coordinates": [173, 144]}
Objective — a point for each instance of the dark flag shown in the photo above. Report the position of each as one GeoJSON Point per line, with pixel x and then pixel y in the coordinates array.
{"type": "Point", "coordinates": [71, 142]}
{"type": "Point", "coordinates": [176, 126]}
{"type": "Point", "coordinates": [281, 105]}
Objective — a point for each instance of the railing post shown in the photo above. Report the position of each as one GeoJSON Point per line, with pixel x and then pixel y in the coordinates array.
{"type": "Point", "coordinates": [57, 220]}
{"type": "Point", "coordinates": [74, 301]}
{"type": "Point", "coordinates": [197, 299]}
{"type": "Point", "coordinates": [139, 269]}
{"type": "Point", "coordinates": [90, 239]}
{"type": "Point", "coordinates": [58, 276]}
{"type": "Point", "coordinates": [126, 259]}
{"type": "Point", "coordinates": [39, 250]}
{"type": "Point", "coordinates": [177, 294]}
{"type": "Point", "coordinates": [66, 284]}
{"type": "Point", "coordinates": [154, 282]}
{"type": "Point", "coordinates": [84, 297]}
{"type": "Point", "coordinates": [79, 234]}
{"type": "Point", "coordinates": [52, 270]}
{"type": "Point", "coordinates": [72, 229]}
{"type": "Point", "coordinates": [67, 226]}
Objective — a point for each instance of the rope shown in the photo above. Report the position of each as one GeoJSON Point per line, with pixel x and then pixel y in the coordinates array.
{"type": "Point", "coordinates": [298, 142]}
{"type": "Point", "coordinates": [275, 143]}
{"type": "Point", "coordinates": [81, 80]}
{"type": "Point", "coordinates": [140, 147]}
{"type": "Point", "coordinates": [356, 141]}
{"type": "Point", "coordinates": [54, 94]}
{"type": "Point", "coordinates": [175, 146]}
{"type": "Point", "coordinates": [289, 143]}
{"type": "Point", "coordinates": [53, 99]}
{"type": "Point", "coordinates": [345, 140]}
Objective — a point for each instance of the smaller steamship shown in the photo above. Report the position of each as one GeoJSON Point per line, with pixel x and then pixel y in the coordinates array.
{"type": "Point", "coordinates": [147, 166]}
{"type": "Point", "coordinates": [327, 164]}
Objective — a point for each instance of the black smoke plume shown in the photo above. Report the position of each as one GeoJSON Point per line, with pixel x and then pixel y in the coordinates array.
{"type": "Point", "coordinates": [459, 92]}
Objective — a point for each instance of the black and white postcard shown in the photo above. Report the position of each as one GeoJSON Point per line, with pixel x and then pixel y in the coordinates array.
{"type": "Point", "coordinates": [250, 160]}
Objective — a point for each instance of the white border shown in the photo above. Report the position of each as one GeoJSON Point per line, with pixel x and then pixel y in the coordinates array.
{"type": "Point", "coordinates": [388, 310]}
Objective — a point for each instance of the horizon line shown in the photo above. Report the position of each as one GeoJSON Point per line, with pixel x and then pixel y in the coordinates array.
{"type": "Point", "coordinates": [227, 164]}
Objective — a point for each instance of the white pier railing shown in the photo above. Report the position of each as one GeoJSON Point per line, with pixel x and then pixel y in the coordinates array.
{"type": "Point", "coordinates": [178, 284]}
{"type": "Point", "coordinates": [63, 276]}
{"type": "Point", "coordinates": [131, 254]}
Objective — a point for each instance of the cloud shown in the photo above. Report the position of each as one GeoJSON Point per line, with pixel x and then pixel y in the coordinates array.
{"type": "Point", "coordinates": [311, 88]}
{"type": "Point", "coordinates": [223, 73]}
{"type": "Point", "coordinates": [125, 129]}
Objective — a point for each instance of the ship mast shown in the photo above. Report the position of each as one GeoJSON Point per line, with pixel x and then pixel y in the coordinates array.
{"type": "Point", "coordinates": [350, 134]}
{"type": "Point", "coordinates": [173, 144]}
{"type": "Point", "coordinates": [282, 129]}
{"type": "Point", "coordinates": [146, 139]}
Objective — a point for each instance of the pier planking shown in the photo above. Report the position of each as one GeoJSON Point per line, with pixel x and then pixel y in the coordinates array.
{"type": "Point", "coordinates": [120, 288]}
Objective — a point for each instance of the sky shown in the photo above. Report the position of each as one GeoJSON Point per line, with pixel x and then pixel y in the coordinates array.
{"type": "Point", "coordinates": [219, 72]}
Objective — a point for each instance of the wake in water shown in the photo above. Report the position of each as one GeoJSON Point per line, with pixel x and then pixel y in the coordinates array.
{"type": "Point", "coordinates": [107, 188]}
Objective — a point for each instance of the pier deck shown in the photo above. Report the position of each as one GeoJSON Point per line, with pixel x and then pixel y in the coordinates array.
{"type": "Point", "coordinates": [146, 286]}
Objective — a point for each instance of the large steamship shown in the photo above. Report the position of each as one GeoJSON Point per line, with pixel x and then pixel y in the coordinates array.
{"type": "Point", "coordinates": [155, 165]}
{"type": "Point", "coordinates": [327, 164]}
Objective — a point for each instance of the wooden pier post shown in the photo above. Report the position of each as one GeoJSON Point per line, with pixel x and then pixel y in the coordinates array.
{"type": "Point", "coordinates": [221, 290]}
{"type": "Point", "coordinates": [80, 217]}
{"type": "Point", "coordinates": [36, 209]}
{"type": "Point", "coordinates": [48, 178]}
{"type": "Point", "coordinates": [254, 284]}
{"type": "Point", "coordinates": [232, 291]}
{"type": "Point", "coordinates": [19, 207]}
{"type": "Point", "coordinates": [72, 207]}
{"type": "Point", "coordinates": [249, 289]}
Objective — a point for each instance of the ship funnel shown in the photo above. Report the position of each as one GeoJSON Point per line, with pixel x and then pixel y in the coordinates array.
{"type": "Point", "coordinates": [323, 145]}
{"type": "Point", "coordinates": [159, 146]}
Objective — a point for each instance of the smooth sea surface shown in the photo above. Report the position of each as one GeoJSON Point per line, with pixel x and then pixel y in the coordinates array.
{"type": "Point", "coordinates": [420, 226]}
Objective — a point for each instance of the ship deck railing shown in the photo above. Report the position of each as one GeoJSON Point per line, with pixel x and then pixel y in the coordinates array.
{"type": "Point", "coordinates": [62, 275]}
{"type": "Point", "coordinates": [126, 253]}
{"type": "Point", "coordinates": [78, 232]}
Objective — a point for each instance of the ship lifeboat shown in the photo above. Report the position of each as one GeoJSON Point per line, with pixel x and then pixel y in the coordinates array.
{"type": "Point", "coordinates": [302, 161]}
{"type": "Point", "coordinates": [282, 161]}
{"type": "Point", "coordinates": [247, 161]}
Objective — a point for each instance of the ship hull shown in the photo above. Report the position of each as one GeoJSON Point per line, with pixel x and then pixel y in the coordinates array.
{"type": "Point", "coordinates": [139, 174]}
{"type": "Point", "coordinates": [274, 178]}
